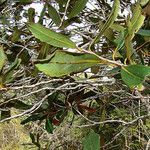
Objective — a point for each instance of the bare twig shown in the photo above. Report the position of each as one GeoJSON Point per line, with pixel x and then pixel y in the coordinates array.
{"type": "Point", "coordinates": [34, 107]}
{"type": "Point", "coordinates": [65, 12]}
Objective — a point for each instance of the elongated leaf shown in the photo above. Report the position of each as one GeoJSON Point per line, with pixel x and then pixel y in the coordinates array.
{"type": "Point", "coordinates": [8, 75]}
{"type": "Point", "coordinates": [134, 75]}
{"type": "Point", "coordinates": [20, 105]}
{"type": "Point", "coordinates": [25, 1]}
{"type": "Point", "coordinates": [54, 15]}
{"type": "Point", "coordinates": [144, 32]}
{"type": "Point", "coordinates": [2, 58]}
{"type": "Point", "coordinates": [133, 26]}
{"type": "Point", "coordinates": [42, 14]}
{"type": "Point", "coordinates": [44, 51]}
{"type": "Point", "coordinates": [33, 118]}
{"type": "Point", "coordinates": [48, 36]}
{"type": "Point", "coordinates": [64, 63]}
{"type": "Point", "coordinates": [117, 27]}
{"type": "Point", "coordinates": [109, 34]}
{"type": "Point", "coordinates": [136, 21]}
{"type": "Point", "coordinates": [48, 126]}
{"type": "Point", "coordinates": [31, 14]}
{"type": "Point", "coordinates": [78, 7]}
{"type": "Point", "coordinates": [119, 41]}
{"type": "Point", "coordinates": [32, 137]}
{"type": "Point", "coordinates": [15, 104]}
{"type": "Point", "coordinates": [108, 22]}
{"type": "Point", "coordinates": [91, 141]}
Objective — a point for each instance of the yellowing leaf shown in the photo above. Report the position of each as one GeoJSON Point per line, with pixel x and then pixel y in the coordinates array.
{"type": "Point", "coordinates": [133, 26]}
{"type": "Point", "coordinates": [137, 20]}
{"type": "Point", "coordinates": [48, 36]}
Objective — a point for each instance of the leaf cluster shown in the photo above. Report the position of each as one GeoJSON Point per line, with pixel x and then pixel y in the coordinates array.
{"type": "Point", "coordinates": [90, 57]}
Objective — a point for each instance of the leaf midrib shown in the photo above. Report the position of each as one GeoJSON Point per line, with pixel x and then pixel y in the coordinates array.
{"type": "Point", "coordinates": [54, 36]}
{"type": "Point", "coordinates": [132, 74]}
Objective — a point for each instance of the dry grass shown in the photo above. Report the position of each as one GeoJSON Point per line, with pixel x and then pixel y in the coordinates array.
{"type": "Point", "coordinates": [13, 136]}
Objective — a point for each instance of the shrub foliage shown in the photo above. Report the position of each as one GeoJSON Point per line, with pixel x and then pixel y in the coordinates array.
{"type": "Point", "coordinates": [86, 57]}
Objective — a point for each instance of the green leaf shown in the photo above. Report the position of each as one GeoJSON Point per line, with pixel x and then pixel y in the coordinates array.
{"type": "Point", "coordinates": [34, 117]}
{"type": "Point", "coordinates": [16, 104]}
{"type": "Point", "coordinates": [119, 41]}
{"type": "Point", "coordinates": [117, 27]}
{"type": "Point", "coordinates": [134, 75]}
{"type": "Point", "coordinates": [109, 34]}
{"type": "Point", "coordinates": [125, 37]}
{"type": "Point", "coordinates": [136, 21]}
{"type": "Point", "coordinates": [44, 51]}
{"type": "Point", "coordinates": [143, 32]}
{"type": "Point", "coordinates": [64, 63]}
{"type": "Point", "coordinates": [54, 15]}
{"type": "Point", "coordinates": [108, 22]}
{"type": "Point", "coordinates": [78, 7]}
{"type": "Point", "coordinates": [8, 75]}
{"type": "Point", "coordinates": [5, 114]}
{"type": "Point", "coordinates": [25, 1]}
{"type": "Point", "coordinates": [48, 36]}
{"type": "Point", "coordinates": [2, 58]}
{"type": "Point", "coordinates": [32, 137]}
{"type": "Point", "coordinates": [48, 126]}
{"type": "Point", "coordinates": [15, 35]}
{"type": "Point", "coordinates": [20, 105]}
{"type": "Point", "coordinates": [2, 1]}
{"type": "Point", "coordinates": [42, 14]}
{"type": "Point", "coordinates": [133, 26]}
{"type": "Point", "coordinates": [91, 141]}
{"type": "Point", "coordinates": [31, 14]}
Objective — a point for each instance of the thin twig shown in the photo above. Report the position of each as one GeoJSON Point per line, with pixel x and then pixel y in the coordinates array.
{"type": "Point", "coordinates": [65, 12]}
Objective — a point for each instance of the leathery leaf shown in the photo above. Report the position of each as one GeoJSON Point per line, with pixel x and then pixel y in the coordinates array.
{"type": "Point", "coordinates": [48, 36]}
{"type": "Point", "coordinates": [134, 75]}
{"type": "Point", "coordinates": [64, 63]}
